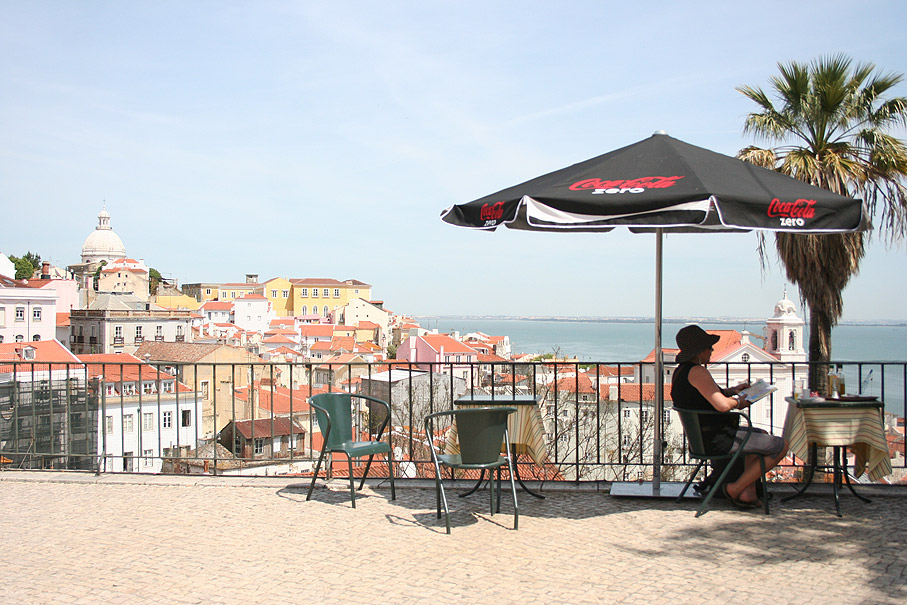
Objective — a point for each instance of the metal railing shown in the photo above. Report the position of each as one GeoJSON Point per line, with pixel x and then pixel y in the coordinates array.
{"type": "Point", "coordinates": [254, 418]}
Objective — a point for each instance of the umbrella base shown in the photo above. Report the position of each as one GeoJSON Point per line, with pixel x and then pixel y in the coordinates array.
{"type": "Point", "coordinates": [635, 489]}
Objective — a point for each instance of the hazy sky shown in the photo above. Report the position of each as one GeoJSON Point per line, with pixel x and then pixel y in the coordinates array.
{"type": "Point", "coordinates": [323, 139]}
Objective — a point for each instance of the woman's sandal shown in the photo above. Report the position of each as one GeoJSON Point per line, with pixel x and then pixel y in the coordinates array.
{"type": "Point", "coordinates": [739, 503]}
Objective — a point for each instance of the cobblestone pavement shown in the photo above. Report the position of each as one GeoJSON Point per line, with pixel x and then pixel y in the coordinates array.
{"type": "Point", "coordinates": [77, 538]}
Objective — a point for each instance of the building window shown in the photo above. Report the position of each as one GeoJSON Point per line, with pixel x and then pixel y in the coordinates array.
{"type": "Point", "coordinates": [166, 420]}
{"type": "Point", "coordinates": [138, 332]}
{"type": "Point", "coordinates": [179, 331]}
{"type": "Point", "coordinates": [324, 292]}
{"type": "Point", "coordinates": [159, 332]}
{"type": "Point", "coordinates": [147, 388]}
{"type": "Point", "coordinates": [207, 290]}
{"type": "Point", "coordinates": [303, 292]}
{"type": "Point", "coordinates": [36, 337]}
{"type": "Point", "coordinates": [19, 338]}
{"type": "Point", "coordinates": [315, 292]}
{"type": "Point", "coordinates": [147, 457]}
{"type": "Point", "coordinates": [148, 421]}
{"type": "Point", "coordinates": [745, 357]}
{"type": "Point", "coordinates": [187, 418]}
{"type": "Point", "coordinates": [666, 418]}
{"type": "Point", "coordinates": [274, 293]}
{"type": "Point", "coordinates": [791, 341]}
{"type": "Point", "coordinates": [336, 292]}
{"type": "Point", "coordinates": [259, 445]}
{"type": "Point", "coordinates": [286, 294]}
{"type": "Point", "coordinates": [118, 331]}
{"type": "Point", "coordinates": [128, 424]}
{"type": "Point", "coordinates": [627, 412]}
{"type": "Point", "coordinates": [644, 416]}
{"type": "Point", "coordinates": [20, 313]}
{"type": "Point", "coordinates": [36, 314]}
{"type": "Point", "coordinates": [2, 316]}
{"type": "Point", "coordinates": [204, 389]}
{"type": "Point", "coordinates": [108, 425]}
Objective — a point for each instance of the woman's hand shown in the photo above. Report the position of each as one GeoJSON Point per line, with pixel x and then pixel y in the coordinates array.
{"type": "Point", "coordinates": [741, 386]}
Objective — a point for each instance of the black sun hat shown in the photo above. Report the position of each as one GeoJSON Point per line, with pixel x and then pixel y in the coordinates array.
{"type": "Point", "coordinates": [693, 340]}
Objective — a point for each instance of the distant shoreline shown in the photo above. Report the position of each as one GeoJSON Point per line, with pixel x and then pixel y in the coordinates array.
{"type": "Point", "coordinates": [641, 320]}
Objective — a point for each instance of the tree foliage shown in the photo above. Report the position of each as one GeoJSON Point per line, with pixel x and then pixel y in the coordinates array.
{"type": "Point", "coordinates": [154, 279]}
{"type": "Point", "coordinates": [26, 265]}
{"type": "Point", "coordinates": [830, 120]}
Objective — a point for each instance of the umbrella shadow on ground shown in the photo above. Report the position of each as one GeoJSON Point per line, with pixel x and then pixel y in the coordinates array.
{"type": "Point", "coordinates": [802, 531]}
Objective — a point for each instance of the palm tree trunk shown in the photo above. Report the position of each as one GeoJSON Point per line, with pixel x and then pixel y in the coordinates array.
{"type": "Point", "coordinates": [819, 350]}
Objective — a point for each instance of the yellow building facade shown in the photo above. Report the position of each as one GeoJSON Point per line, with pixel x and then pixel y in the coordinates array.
{"type": "Point", "coordinates": [292, 297]}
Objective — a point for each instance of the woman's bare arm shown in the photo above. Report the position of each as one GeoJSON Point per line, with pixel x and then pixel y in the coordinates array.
{"type": "Point", "coordinates": [701, 379]}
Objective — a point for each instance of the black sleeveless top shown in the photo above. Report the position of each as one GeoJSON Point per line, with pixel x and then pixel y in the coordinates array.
{"type": "Point", "coordinates": [717, 430]}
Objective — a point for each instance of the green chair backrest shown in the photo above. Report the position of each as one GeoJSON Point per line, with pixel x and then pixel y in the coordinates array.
{"type": "Point", "coordinates": [481, 433]}
{"type": "Point", "coordinates": [339, 407]}
{"type": "Point", "coordinates": [693, 430]}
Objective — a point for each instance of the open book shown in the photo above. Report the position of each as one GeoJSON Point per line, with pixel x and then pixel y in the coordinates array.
{"type": "Point", "coordinates": [758, 390]}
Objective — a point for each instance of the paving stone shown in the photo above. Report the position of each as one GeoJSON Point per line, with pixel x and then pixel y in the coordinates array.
{"type": "Point", "coordinates": [157, 539]}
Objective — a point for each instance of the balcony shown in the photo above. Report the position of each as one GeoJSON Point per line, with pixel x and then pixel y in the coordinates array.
{"type": "Point", "coordinates": [139, 340]}
{"type": "Point", "coordinates": [118, 340]}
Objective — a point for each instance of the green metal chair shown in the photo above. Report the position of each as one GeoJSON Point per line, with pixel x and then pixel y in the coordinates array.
{"type": "Point", "coordinates": [690, 419]}
{"type": "Point", "coordinates": [482, 434]}
{"type": "Point", "coordinates": [334, 412]}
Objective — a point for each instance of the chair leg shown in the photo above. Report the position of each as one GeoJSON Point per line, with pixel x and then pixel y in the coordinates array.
{"type": "Point", "coordinates": [516, 508]}
{"type": "Point", "coordinates": [690, 481]}
{"type": "Point", "coordinates": [349, 463]}
{"type": "Point", "coordinates": [491, 487]}
{"type": "Point", "coordinates": [368, 465]}
{"type": "Point", "coordinates": [717, 486]}
{"type": "Point", "coordinates": [440, 496]}
{"type": "Point", "coordinates": [390, 469]}
{"type": "Point", "coordinates": [315, 475]}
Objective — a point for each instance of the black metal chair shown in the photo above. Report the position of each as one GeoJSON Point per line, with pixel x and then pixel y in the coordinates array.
{"type": "Point", "coordinates": [690, 419]}
{"type": "Point", "coordinates": [334, 412]}
{"type": "Point", "coordinates": [482, 434]}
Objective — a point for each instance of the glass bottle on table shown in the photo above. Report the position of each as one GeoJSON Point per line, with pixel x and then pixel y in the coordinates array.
{"type": "Point", "coordinates": [841, 380]}
{"type": "Point", "coordinates": [832, 383]}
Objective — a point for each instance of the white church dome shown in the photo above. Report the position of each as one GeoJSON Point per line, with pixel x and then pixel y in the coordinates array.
{"type": "Point", "coordinates": [103, 243]}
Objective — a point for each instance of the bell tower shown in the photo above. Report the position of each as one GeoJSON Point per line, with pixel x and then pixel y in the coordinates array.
{"type": "Point", "coordinates": [784, 332]}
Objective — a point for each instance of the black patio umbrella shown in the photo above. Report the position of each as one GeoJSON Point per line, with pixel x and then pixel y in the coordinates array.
{"type": "Point", "coordinates": [662, 184]}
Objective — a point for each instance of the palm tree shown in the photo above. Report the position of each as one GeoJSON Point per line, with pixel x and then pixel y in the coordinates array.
{"type": "Point", "coordinates": [831, 123]}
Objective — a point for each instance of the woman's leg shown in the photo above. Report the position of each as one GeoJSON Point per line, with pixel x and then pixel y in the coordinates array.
{"type": "Point", "coordinates": [744, 488]}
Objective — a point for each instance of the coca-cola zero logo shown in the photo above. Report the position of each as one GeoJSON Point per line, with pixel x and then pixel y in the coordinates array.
{"type": "Point", "coordinates": [638, 185]}
{"type": "Point", "coordinates": [792, 214]}
{"type": "Point", "coordinates": [491, 213]}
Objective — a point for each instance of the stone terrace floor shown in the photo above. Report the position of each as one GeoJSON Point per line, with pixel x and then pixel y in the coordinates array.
{"type": "Point", "coordinates": [77, 538]}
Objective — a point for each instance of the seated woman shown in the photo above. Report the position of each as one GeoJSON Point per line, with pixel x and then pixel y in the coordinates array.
{"type": "Point", "coordinates": [692, 387]}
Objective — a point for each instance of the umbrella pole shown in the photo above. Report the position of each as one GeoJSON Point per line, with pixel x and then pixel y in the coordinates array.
{"type": "Point", "coordinates": [655, 489]}
{"type": "Point", "coordinates": [659, 369]}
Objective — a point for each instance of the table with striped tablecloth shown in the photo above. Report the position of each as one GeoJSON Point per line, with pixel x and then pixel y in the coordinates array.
{"type": "Point", "coordinates": [856, 424]}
